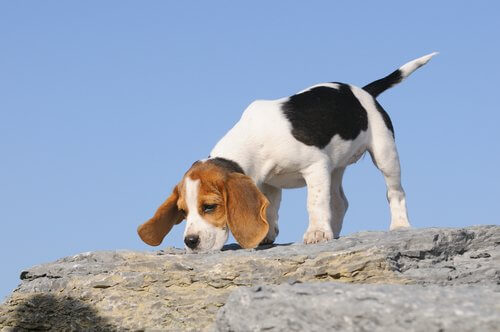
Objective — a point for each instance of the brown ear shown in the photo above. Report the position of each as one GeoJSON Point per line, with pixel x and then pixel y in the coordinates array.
{"type": "Point", "coordinates": [154, 230]}
{"type": "Point", "coordinates": [246, 210]}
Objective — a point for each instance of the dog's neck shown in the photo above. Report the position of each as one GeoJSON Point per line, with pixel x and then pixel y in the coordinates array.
{"type": "Point", "coordinates": [227, 164]}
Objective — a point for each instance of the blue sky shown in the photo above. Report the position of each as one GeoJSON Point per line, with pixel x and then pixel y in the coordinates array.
{"type": "Point", "coordinates": [105, 104]}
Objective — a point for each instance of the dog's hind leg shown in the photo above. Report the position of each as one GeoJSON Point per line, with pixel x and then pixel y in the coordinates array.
{"type": "Point", "coordinates": [385, 156]}
{"type": "Point", "coordinates": [338, 201]}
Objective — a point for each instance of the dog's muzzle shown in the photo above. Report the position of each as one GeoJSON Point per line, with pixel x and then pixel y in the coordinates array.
{"type": "Point", "coordinates": [192, 241]}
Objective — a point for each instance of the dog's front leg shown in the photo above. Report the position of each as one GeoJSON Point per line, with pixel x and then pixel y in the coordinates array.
{"type": "Point", "coordinates": [273, 194]}
{"type": "Point", "coordinates": [318, 181]}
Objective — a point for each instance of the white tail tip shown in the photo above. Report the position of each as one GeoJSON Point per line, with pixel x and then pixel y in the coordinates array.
{"type": "Point", "coordinates": [413, 65]}
{"type": "Point", "coordinates": [427, 57]}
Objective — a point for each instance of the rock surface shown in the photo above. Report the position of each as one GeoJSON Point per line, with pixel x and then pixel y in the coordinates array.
{"type": "Point", "coordinates": [346, 307]}
{"type": "Point", "coordinates": [171, 290]}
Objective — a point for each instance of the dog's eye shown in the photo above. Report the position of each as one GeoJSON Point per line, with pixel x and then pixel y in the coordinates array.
{"type": "Point", "coordinates": [183, 212]}
{"type": "Point", "coordinates": [207, 208]}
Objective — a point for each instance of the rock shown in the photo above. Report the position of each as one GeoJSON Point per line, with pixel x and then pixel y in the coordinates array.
{"type": "Point", "coordinates": [171, 290]}
{"type": "Point", "coordinates": [347, 307]}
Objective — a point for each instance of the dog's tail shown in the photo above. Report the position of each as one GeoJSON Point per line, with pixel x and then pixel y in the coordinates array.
{"type": "Point", "coordinates": [377, 87]}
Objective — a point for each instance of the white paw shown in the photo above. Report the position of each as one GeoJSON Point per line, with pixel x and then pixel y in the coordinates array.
{"type": "Point", "coordinates": [317, 236]}
{"type": "Point", "coordinates": [399, 224]}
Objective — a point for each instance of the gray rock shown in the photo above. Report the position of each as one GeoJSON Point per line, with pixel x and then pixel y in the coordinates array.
{"type": "Point", "coordinates": [171, 290]}
{"type": "Point", "coordinates": [347, 307]}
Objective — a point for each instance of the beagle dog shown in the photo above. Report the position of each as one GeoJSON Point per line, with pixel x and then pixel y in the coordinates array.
{"type": "Point", "coordinates": [307, 139]}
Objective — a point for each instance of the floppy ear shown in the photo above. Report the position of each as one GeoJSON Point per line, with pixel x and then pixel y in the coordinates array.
{"type": "Point", "coordinates": [154, 230]}
{"type": "Point", "coordinates": [246, 210]}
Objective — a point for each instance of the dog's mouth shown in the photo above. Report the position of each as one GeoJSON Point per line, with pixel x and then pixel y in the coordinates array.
{"type": "Point", "coordinates": [208, 244]}
{"type": "Point", "coordinates": [200, 251]}
{"type": "Point", "coordinates": [203, 250]}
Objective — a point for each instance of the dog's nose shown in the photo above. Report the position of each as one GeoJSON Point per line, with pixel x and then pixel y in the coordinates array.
{"type": "Point", "coordinates": [192, 241]}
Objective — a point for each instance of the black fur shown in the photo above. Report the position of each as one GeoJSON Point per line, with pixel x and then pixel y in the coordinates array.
{"type": "Point", "coordinates": [229, 165]}
{"type": "Point", "coordinates": [377, 87]}
{"type": "Point", "coordinates": [320, 113]}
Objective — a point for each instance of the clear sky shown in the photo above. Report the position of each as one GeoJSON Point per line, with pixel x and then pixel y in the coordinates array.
{"type": "Point", "coordinates": [105, 104]}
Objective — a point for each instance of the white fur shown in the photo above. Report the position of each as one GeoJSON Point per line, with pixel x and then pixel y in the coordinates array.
{"type": "Point", "coordinates": [211, 237]}
{"type": "Point", "coordinates": [262, 144]}
{"type": "Point", "coordinates": [413, 65]}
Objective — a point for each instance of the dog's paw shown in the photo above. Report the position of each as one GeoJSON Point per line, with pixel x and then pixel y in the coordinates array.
{"type": "Point", "coordinates": [317, 236]}
{"type": "Point", "coordinates": [266, 241]}
{"type": "Point", "coordinates": [271, 236]}
{"type": "Point", "coordinates": [399, 224]}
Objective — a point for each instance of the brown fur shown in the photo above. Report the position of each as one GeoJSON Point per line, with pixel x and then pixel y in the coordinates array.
{"type": "Point", "coordinates": [246, 211]}
{"type": "Point", "coordinates": [154, 230]}
{"type": "Point", "coordinates": [240, 206]}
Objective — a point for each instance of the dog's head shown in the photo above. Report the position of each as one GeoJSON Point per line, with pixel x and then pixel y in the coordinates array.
{"type": "Point", "coordinates": [213, 200]}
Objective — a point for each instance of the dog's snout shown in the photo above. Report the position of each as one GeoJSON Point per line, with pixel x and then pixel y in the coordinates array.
{"type": "Point", "coordinates": [192, 241]}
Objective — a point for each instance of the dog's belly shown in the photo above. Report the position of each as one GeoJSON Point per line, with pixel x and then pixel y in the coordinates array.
{"type": "Point", "coordinates": [339, 153]}
{"type": "Point", "coordinates": [288, 180]}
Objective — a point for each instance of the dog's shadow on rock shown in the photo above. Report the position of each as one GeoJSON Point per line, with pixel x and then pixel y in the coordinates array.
{"type": "Point", "coordinates": [46, 312]}
{"type": "Point", "coordinates": [235, 246]}
{"type": "Point", "coordinates": [227, 247]}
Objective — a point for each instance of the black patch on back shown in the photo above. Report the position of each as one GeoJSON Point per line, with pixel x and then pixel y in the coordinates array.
{"type": "Point", "coordinates": [377, 87]}
{"type": "Point", "coordinates": [229, 165]}
{"type": "Point", "coordinates": [320, 113]}
{"type": "Point", "coordinates": [385, 116]}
